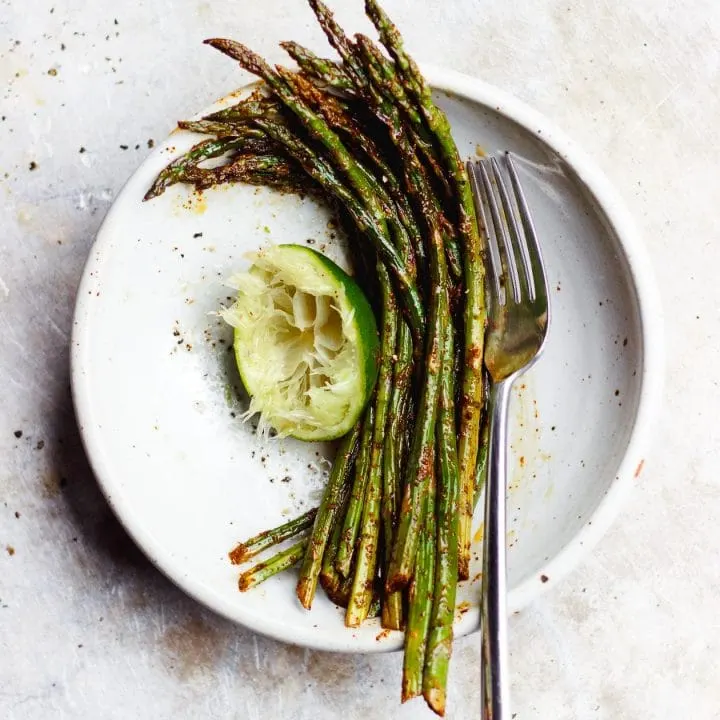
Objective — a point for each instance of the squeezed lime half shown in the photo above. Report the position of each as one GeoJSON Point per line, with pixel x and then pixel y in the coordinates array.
{"type": "Point", "coordinates": [306, 343]}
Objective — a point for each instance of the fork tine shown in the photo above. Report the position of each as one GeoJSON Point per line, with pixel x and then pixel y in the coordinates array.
{"type": "Point", "coordinates": [519, 250]}
{"type": "Point", "coordinates": [483, 216]}
{"type": "Point", "coordinates": [535, 259]}
{"type": "Point", "coordinates": [505, 245]}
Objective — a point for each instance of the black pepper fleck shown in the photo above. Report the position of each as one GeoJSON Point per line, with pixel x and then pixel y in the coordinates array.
{"type": "Point", "coordinates": [18, 434]}
{"type": "Point", "coordinates": [40, 445]}
{"type": "Point", "coordinates": [33, 165]}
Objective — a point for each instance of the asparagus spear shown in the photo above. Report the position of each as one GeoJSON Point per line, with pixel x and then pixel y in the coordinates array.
{"type": "Point", "coordinates": [327, 71]}
{"type": "Point", "coordinates": [439, 645]}
{"type": "Point", "coordinates": [272, 566]}
{"type": "Point", "coordinates": [267, 539]}
{"type": "Point", "coordinates": [177, 170]}
{"type": "Point", "coordinates": [209, 127]}
{"type": "Point", "coordinates": [330, 506]}
{"type": "Point", "coordinates": [330, 579]}
{"type": "Point", "coordinates": [240, 167]}
{"type": "Point", "coordinates": [366, 562]}
{"type": "Point", "coordinates": [419, 468]}
{"type": "Point", "coordinates": [392, 609]}
{"type": "Point", "coordinates": [475, 311]}
{"type": "Point", "coordinates": [255, 105]}
{"type": "Point", "coordinates": [421, 596]}
{"type": "Point", "coordinates": [481, 468]}
{"type": "Point", "coordinates": [337, 38]}
{"type": "Point", "coordinates": [351, 524]}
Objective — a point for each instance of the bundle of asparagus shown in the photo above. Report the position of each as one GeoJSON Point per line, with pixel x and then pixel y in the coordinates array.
{"type": "Point", "coordinates": [392, 533]}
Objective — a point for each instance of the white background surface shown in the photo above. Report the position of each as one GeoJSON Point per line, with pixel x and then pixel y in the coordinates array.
{"type": "Point", "coordinates": [88, 629]}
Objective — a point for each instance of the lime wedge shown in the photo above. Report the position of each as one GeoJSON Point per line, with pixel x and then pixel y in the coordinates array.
{"type": "Point", "coordinates": [306, 343]}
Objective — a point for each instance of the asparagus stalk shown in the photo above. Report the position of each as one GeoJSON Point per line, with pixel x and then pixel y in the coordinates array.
{"type": "Point", "coordinates": [481, 468]}
{"type": "Point", "coordinates": [475, 311]}
{"type": "Point", "coordinates": [177, 170]}
{"type": "Point", "coordinates": [366, 562]}
{"type": "Point", "coordinates": [420, 466]}
{"type": "Point", "coordinates": [241, 167]}
{"type": "Point", "coordinates": [337, 38]}
{"type": "Point", "coordinates": [209, 127]}
{"type": "Point", "coordinates": [421, 596]}
{"type": "Point", "coordinates": [330, 506]}
{"type": "Point", "coordinates": [392, 609]}
{"type": "Point", "coordinates": [255, 105]}
{"type": "Point", "coordinates": [439, 644]}
{"type": "Point", "coordinates": [330, 579]}
{"type": "Point", "coordinates": [327, 71]}
{"type": "Point", "coordinates": [351, 524]}
{"type": "Point", "coordinates": [272, 566]}
{"type": "Point", "coordinates": [269, 538]}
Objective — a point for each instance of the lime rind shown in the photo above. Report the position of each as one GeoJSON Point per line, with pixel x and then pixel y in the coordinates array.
{"type": "Point", "coordinates": [305, 343]}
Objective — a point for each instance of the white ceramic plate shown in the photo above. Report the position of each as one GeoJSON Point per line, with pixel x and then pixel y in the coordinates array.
{"type": "Point", "coordinates": [156, 391]}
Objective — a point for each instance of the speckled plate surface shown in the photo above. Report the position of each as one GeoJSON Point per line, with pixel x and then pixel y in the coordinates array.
{"type": "Point", "coordinates": [157, 394]}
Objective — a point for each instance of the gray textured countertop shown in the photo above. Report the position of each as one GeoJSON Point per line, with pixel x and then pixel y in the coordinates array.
{"type": "Point", "coordinates": [88, 628]}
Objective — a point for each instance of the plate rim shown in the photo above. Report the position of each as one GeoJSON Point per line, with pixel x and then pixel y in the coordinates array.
{"type": "Point", "coordinates": [651, 383]}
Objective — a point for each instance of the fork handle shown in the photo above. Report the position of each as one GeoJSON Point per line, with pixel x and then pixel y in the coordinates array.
{"type": "Point", "coordinates": [495, 681]}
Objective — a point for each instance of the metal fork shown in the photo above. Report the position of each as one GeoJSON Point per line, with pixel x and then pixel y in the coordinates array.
{"type": "Point", "coordinates": [518, 318]}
